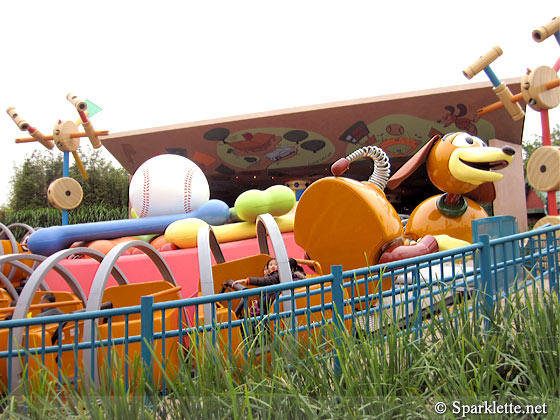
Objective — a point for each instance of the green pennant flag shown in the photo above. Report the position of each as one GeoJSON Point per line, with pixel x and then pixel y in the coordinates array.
{"type": "Point", "coordinates": [92, 109]}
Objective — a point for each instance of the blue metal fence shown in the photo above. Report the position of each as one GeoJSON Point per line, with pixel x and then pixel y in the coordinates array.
{"type": "Point", "coordinates": [405, 293]}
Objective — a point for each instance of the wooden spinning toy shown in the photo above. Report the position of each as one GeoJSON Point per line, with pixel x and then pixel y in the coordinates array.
{"type": "Point", "coordinates": [501, 90]}
{"type": "Point", "coordinates": [540, 89]}
{"type": "Point", "coordinates": [64, 193]}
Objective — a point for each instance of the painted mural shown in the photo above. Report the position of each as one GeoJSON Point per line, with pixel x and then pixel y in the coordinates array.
{"type": "Point", "coordinates": [265, 148]}
{"type": "Point", "coordinates": [270, 148]}
{"type": "Point", "coordinates": [272, 144]}
{"type": "Point", "coordinates": [402, 135]}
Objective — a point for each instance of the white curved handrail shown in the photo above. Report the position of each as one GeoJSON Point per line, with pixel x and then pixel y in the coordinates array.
{"type": "Point", "coordinates": [208, 246]}
{"type": "Point", "coordinates": [268, 228]}
{"type": "Point", "coordinates": [14, 259]}
{"type": "Point", "coordinates": [98, 288]}
{"type": "Point", "coordinates": [25, 226]}
{"type": "Point", "coordinates": [35, 280]}
{"type": "Point", "coordinates": [13, 243]}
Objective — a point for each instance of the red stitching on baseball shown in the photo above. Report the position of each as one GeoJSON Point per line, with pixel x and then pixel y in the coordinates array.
{"type": "Point", "coordinates": [145, 193]}
{"type": "Point", "coordinates": [187, 190]}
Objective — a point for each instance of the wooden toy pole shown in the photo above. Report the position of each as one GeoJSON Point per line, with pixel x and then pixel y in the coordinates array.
{"type": "Point", "coordinates": [540, 90]}
{"type": "Point", "coordinates": [516, 98]}
{"type": "Point", "coordinates": [64, 193]}
{"type": "Point", "coordinates": [545, 125]}
{"type": "Point", "coordinates": [503, 93]}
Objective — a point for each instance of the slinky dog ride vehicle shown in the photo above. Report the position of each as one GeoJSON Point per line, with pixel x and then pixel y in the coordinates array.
{"type": "Point", "coordinates": [341, 221]}
{"type": "Point", "coordinates": [460, 165]}
{"type": "Point", "coordinates": [351, 223]}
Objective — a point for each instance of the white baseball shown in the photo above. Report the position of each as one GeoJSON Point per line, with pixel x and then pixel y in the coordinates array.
{"type": "Point", "coordinates": [167, 184]}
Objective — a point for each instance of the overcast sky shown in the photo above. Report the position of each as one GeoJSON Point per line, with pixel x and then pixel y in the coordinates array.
{"type": "Point", "coordinates": [150, 64]}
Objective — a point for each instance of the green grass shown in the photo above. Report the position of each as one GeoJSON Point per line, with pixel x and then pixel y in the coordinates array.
{"type": "Point", "coordinates": [396, 375]}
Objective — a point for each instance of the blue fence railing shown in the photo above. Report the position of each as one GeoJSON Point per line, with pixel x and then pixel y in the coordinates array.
{"type": "Point", "coordinates": [408, 293]}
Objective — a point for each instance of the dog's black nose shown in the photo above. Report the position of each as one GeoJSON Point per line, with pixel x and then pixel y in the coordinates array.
{"type": "Point", "coordinates": [508, 150]}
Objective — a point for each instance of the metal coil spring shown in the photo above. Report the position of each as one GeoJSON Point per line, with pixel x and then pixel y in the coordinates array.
{"type": "Point", "coordinates": [381, 165]}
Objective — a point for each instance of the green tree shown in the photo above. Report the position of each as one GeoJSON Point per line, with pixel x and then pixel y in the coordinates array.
{"type": "Point", "coordinates": [105, 185]}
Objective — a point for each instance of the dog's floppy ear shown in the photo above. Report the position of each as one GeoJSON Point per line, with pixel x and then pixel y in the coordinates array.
{"type": "Point", "coordinates": [484, 193]}
{"type": "Point", "coordinates": [412, 164]}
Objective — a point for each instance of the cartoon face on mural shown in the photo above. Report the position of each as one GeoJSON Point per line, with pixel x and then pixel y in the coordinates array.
{"type": "Point", "coordinates": [459, 117]}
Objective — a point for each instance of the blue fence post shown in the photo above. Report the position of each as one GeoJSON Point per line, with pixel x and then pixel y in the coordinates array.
{"type": "Point", "coordinates": [486, 284]}
{"type": "Point", "coordinates": [337, 312]}
{"type": "Point", "coordinates": [553, 263]}
{"type": "Point", "coordinates": [147, 333]}
{"type": "Point", "coordinates": [417, 304]}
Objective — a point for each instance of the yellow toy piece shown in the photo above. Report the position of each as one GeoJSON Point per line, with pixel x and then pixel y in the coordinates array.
{"type": "Point", "coordinates": [446, 242]}
{"type": "Point", "coordinates": [183, 233]}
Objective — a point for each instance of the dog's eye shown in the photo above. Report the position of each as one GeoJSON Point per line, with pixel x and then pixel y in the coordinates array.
{"type": "Point", "coordinates": [466, 140]}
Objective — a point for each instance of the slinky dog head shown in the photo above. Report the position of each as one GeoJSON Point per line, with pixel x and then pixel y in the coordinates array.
{"type": "Point", "coordinates": [458, 163]}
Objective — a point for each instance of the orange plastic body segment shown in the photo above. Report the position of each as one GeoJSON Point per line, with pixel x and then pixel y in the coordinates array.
{"type": "Point", "coordinates": [426, 219]}
{"type": "Point", "coordinates": [340, 221]}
